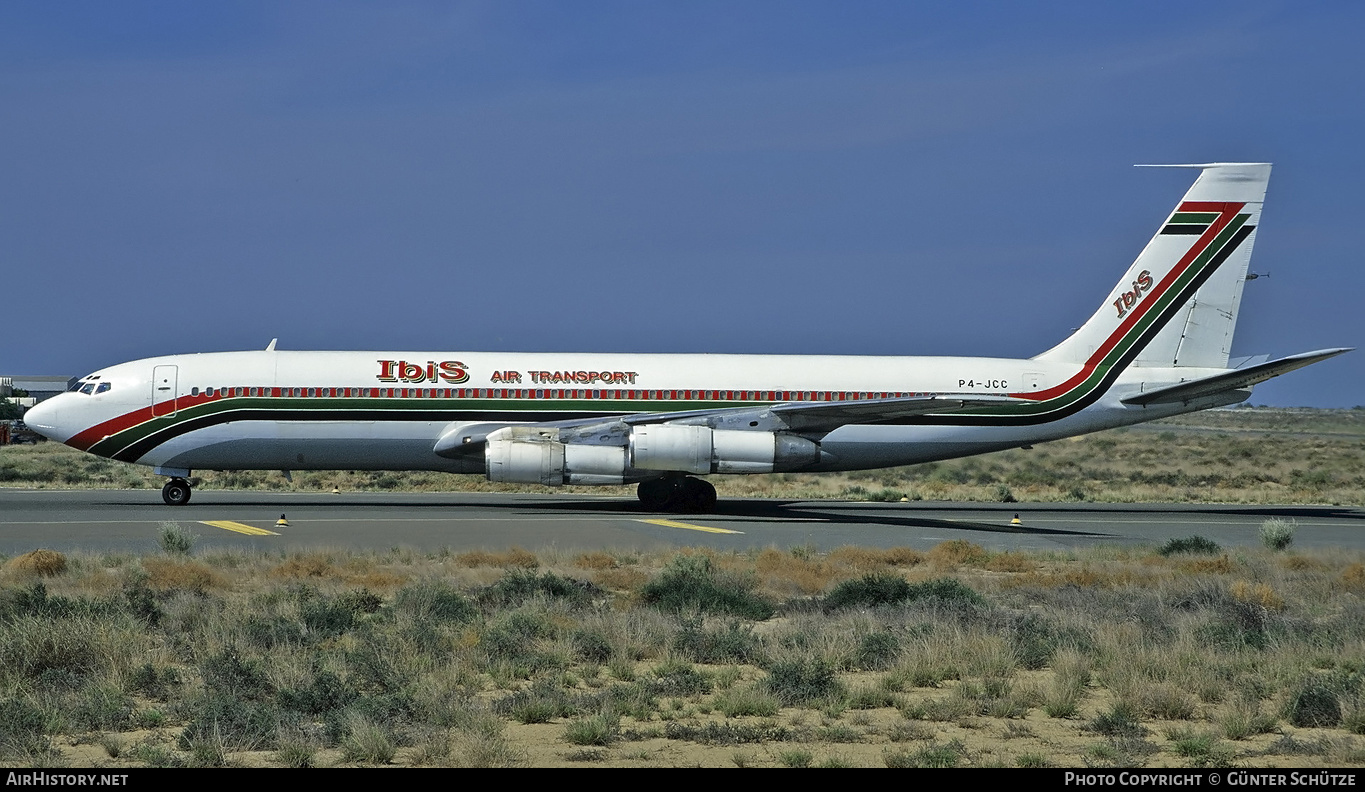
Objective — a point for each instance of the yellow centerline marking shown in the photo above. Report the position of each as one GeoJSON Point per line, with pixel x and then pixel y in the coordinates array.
{"type": "Point", "coordinates": [690, 527]}
{"type": "Point", "coordinates": [241, 528]}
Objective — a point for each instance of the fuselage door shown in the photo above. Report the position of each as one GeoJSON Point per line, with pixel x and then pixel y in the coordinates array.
{"type": "Point", "coordinates": [163, 390]}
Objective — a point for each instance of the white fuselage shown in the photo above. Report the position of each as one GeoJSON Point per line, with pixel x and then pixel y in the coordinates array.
{"type": "Point", "coordinates": [385, 410]}
{"type": "Point", "coordinates": [613, 418]}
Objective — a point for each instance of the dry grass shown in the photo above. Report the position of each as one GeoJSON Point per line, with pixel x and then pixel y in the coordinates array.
{"type": "Point", "coordinates": [514, 557]}
{"type": "Point", "coordinates": [871, 559]}
{"type": "Point", "coordinates": [596, 560]}
{"type": "Point", "coordinates": [171, 574]}
{"type": "Point", "coordinates": [1100, 655]}
{"type": "Point", "coordinates": [1258, 594]}
{"type": "Point", "coordinates": [40, 563]}
{"type": "Point", "coordinates": [958, 552]}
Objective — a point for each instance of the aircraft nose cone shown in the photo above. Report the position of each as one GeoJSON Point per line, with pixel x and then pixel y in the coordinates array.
{"type": "Point", "coordinates": [42, 418]}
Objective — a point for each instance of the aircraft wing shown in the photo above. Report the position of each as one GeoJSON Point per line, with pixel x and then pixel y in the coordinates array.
{"type": "Point", "coordinates": [822, 416]}
{"type": "Point", "coordinates": [1237, 378]}
{"type": "Point", "coordinates": [817, 417]}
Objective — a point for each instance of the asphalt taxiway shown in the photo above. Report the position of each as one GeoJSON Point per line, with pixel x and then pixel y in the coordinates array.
{"type": "Point", "coordinates": [130, 520]}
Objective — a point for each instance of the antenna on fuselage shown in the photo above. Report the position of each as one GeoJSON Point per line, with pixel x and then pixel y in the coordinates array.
{"type": "Point", "coordinates": [271, 346]}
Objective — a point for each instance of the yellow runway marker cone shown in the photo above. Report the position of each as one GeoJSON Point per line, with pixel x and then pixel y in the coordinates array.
{"type": "Point", "coordinates": [281, 523]}
{"type": "Point", "coordinates": [1016, 521]}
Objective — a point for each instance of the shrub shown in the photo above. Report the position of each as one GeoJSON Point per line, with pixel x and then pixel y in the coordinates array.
{"type": "Point", "coordinates": [367, 742]}
{"type": "Point", "coordinates": [946, 591]}
{"type": "Point", "coordinates": [337, 615]}
{"type": "Point", "coordinates": [540, 703]}
{"type": "Point", "coordinates": [1313, 704]}
{"type": "Point", "coordinates": [1278, 534]}
{"type": "Point", "coordinates": [1119, 721]}
{"type": "Point", "coordinates": [797, 682]}
{"type": "Point", "coordinates": [520, 585]}
{"type": "Point", "coordinates": [21, 720]}
{"type": "Point", "coordinates": [880, 588]}
{"type": "Point", "coordinates": [153, 683]}
{"type": "Point", "coordinates": [296, 754]}
{"type": "Point", "coordinates": [1192, 545]}
{"type": "Point", "coordinates": [887, 589]}
{"type": "Point", "coordinates": [591, 646]}
{"type": "Point", "coordinates": [733, 643]}
{"type": "Point", "coordinates": [678, 678]}
{"type": "Point", "coordinates": [512, 640]}
{"type": "Point", "coordinates": [272, 631]}
{"type": "Point", "coordinates": [227, 675]}
{"type": "Point", "coordinates": [747, 701]}
{"type": "Point", "coordinates": [876, 651]}
{"type": "Point", "coordinates": [33, 646]}
{"type": "Point", "coordinates": [324, 695]}
{"type": "Point", "coordinates": [43, 563]}
{"type": "Point", "coordinates": [174, 539]}
{"type": "Point", "coordinates": [933, 755]}
{"type": "Point", "coordinates": [102, 707]}
{"type": "Point", "coordinates": [237, 723]}
{"type": "Point", "coordinates": [435, 601]}
{"type": "Point", "coordinates": [712, 733]}
{"type": "Point", "coordinates": [600, 729]}
{"type": "Point", "coordinates": [1034, 641]}
{"type": "Point", "coordinates": [691, 583]}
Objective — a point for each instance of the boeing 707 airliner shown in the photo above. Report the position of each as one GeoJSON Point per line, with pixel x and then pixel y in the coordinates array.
{"type": "Point", "coordinates": [1158, 346]}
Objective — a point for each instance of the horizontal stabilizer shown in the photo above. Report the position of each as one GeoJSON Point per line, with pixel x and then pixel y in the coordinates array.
{"type": "Point", "coordinates": [1237, 378]}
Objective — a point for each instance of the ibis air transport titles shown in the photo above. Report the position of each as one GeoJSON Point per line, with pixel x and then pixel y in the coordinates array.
{"type": "Point", "coordinates": [1158, 346]}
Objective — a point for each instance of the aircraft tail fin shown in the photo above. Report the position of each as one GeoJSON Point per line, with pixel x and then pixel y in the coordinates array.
{"type": "Point", "coordinates": [1177, 304]}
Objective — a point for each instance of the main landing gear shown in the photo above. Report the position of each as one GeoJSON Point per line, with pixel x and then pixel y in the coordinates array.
{"type": "Point", "coordinates": [683, 495]}
{"type": "Point", "coordinates": [176, 492]}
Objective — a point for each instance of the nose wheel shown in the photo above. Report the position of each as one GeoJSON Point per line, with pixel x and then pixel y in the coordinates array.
{"type": "Point", "coordinates": [176, 492]}
{"type": "Point", "coordinates": [680, 495]}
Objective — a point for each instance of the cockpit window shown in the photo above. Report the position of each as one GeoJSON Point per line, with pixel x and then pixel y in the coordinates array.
{"type": "Point", "coordinates": [83, 384]}
{"type": "Point", "coordinates": [104, 386]}
{"type": "Point", "coordinates": [88, 388]}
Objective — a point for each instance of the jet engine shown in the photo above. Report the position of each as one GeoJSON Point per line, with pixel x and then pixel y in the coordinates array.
{"type": "Point", "coordinates": [535, 455]}
{"type": "Point", "coordinates": [699, 449]}
{"type": "Point", "coordinates": [531, 455]}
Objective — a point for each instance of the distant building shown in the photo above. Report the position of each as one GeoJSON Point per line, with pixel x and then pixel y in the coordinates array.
{"type": "Point", "coordinates": [39, 387]}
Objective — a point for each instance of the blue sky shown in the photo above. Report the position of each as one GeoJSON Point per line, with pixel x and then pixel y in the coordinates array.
{"type": "Point", "coordinates": [785, 177]}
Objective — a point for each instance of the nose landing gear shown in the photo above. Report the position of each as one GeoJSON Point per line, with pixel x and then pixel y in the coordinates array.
{"type": "Point", "coordinates": [680, 495]}
{"type": "Point", "coordinates": [176, 492]}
